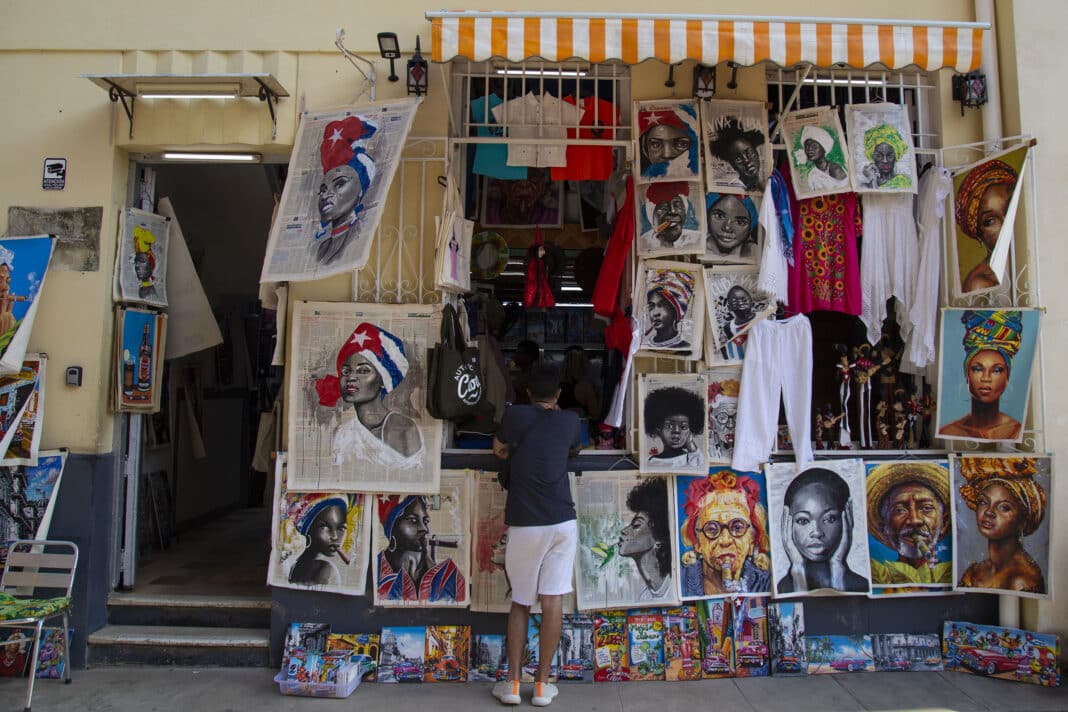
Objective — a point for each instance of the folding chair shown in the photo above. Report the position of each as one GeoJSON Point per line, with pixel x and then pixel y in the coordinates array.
{"type": "Point", "coordinates": [35, 588]}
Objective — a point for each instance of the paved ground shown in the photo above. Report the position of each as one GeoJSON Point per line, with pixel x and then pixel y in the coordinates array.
{"type": "Point", "coordinates": [147, 689]}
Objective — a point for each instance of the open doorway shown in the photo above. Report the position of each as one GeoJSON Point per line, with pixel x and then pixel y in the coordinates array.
{"type": "Point", "coordinates": [203, 510]}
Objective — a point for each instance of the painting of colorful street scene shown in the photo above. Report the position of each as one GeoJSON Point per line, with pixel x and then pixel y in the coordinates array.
{"type": "Point", "coordinates": [906, 652]}
{"type": "Point", "coordinates": [1006, 653]}
{"type": "Point", "coordinates": [839, 653]}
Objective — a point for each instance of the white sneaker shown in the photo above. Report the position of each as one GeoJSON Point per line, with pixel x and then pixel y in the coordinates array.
{"type": "Point", "coordinates": [507, 691]}
{"type": "Point", "coordinates": [544, 694]}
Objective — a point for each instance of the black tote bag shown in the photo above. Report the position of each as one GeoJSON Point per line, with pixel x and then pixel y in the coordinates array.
{"type": "Point", "coordinates": [454, 383]}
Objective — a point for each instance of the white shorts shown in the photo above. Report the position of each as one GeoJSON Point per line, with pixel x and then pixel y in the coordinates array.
{"type": "Point", "coordinates": [541, 560]}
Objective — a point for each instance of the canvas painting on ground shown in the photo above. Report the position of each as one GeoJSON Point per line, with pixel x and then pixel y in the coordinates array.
{"type": "Point", "coordinates": [882, 157]}
{"type": "Point", "coordinates": [448, 653]}
{"type": "Point", "coordinates": [749, 623]}
{"type": "Point", "coordinates": [421, 545]}
{"type": "Point", "coordinates": [340, 173]}
{"type": "Point", "coordinates": [1001, 510]}
{"type": "Point", "coordinates": [839, 653]}
{"type": "Point", "coordinates": [735, 305]}
{"type": "Point", "coordinates": [672, 320]}
{"type": "Point", "coordinates": [786, 638]}
{"type": "Point", "coordinates": [817, 152]}
{"type": "Point", "coordinates": [141, 265]}
{"type": "Point", "coordinates": [985, 362]}
{"type": "Point", "coordinates": [611, 662]}
{"type": "Point", "coordinates": [24, 263]}
{"type": "Point", "coordinates": [625, 526]}
{"type": "Point", "coordinates": [906, 652]}
{"type": "Point", "coordinates": [489, 658]}
{"type": "Point", "coordinates": [1004, 653]}
{"type": "Point", "coordinates": [364, 649]}
{"type": "Point", "coordinates": [672, 410]}
{"type": "Point", "coordinates": [357, 418]}
{"type": "Point", "coordinates": [820, 544]}
{"type": "Point", "coordinates": [738, 152]}
{"type": "Point", "coordinates": [532, 654]}
{"type": "Point", "coordinates": [320, 539]}
{"type": "Point", "coordinates": [645, 631]}
{"type": "Point", "coordinates": [717, 637]}
{"type": "Point", "coordinates": [910, 535]}
{"type": "Point", "coordinates": [576, 648]}
{"type": "Point", "coordinates": [724, 548]}
{"type": "Point", "coordinates": [401, 657]}
{"type": "Point", "coordinates": [682, 644]}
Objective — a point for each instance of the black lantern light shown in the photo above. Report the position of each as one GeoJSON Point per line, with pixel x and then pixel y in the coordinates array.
{"type": "Point", "coordinates": [969, 90]}
{"type": "Point", "coordinates": [389, 47]}
{"type": "Point", "coordinates": [418, 71]}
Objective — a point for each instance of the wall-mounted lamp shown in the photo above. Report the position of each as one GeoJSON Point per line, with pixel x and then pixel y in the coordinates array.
{"type": "Point", "coordinates": [733, 83]}
{"type": "Point", "coordinates": [969, 90]}
{"type": "Point", "coordinates": [704, 81]}
{"type": "Point", "coordinates": [418, 72]}
{"type": "Point", "coordinates": [389, 47]}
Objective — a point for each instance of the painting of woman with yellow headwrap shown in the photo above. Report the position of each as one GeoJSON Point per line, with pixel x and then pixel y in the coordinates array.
{"type": "Point", "coordinates": [984, 208]}
{"type": "Point", "coordinates": [882, 156]}
{"type": "Point", "coordinates": [1003, 542]}
{"type": "Point", "coordinates": [984, 393]}
{"type": "Point", "coordinates": [141, 269]}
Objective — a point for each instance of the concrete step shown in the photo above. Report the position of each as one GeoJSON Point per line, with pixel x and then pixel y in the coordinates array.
{"type": "Point", "coordinates": [200, 646]}
{"type": "Point", "coordinates": [189, 610]}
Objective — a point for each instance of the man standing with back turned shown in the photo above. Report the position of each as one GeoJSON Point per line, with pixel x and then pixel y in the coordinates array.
{"type": "Point", "coordinates": [542, 534]}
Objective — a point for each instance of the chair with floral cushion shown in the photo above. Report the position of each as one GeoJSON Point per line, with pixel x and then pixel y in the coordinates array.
{"type": "Point", "coordinates": [35, 588]}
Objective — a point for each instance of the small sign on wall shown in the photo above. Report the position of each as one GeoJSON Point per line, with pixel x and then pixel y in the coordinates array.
{"type": "Point", "coordinates": [55, 174]}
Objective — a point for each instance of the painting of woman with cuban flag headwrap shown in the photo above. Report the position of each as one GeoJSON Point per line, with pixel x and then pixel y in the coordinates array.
{"type": "Point", "coordinates": [421, 545]}
{"type": "Point", "coordinates": [340, 172]}
{"type": "Point", "coordinates": [357, 418]}
{"type": "Point", "coordinates": [984, 394]}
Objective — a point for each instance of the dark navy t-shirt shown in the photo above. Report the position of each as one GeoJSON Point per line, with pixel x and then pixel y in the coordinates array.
{"type": "Point", "coordinates": [538, 489]}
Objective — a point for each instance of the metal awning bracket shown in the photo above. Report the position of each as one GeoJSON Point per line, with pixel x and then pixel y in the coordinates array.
{"type": "Point", "coordinates": [267, 95]}
{"type": "Point", "coordinates": [117, 93]}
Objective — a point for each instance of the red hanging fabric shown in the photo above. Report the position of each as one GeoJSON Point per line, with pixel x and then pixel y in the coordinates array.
{"type": "Point", "coordinates": [610, 277]}
{"type": "Point", "coordinates": [537, 294]}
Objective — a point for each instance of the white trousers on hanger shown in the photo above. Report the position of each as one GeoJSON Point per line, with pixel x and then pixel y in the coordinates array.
{"type": "Point", "coordinates": [778, 359]}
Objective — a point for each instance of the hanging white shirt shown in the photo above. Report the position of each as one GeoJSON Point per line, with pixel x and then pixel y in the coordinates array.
{"type": "Point", "coordinates": [773, 268]}
{"type": "Point", "coordinates": [888, 260]}
{"type": "Point", "coordinates": [534, 116]}
{"type": "Point", "coordinates": [919, 351]}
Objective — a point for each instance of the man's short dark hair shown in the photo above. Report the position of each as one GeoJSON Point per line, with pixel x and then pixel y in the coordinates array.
{"type": "Point", "coordinates": [543, 382]}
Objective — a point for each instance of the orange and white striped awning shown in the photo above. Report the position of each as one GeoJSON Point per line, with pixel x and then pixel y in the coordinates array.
{"type": "Point", "coordinates": [709, 39]}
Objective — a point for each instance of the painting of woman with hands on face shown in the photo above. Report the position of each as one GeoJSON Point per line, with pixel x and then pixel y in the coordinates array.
{"type": "Point", "coordinates": [822, 541]}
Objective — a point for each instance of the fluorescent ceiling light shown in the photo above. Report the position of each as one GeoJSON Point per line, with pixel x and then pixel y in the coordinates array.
{"type": "Point", "coordinates": [188, 91]}
{"type": "Point", "coordinates": [542, 72]}
{"type": "Point", "coordinates": [570, 289]}
{"type": "Point", "coordinates": [211, 157]}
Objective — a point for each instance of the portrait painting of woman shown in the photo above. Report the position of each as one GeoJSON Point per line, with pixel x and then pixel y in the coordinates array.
{"type": "Point", "coordinates": [1002, 531]}
{"type": "Point", "coordinates": [882, 157]}
{"type": "Point", "coordinates": [673, 410]}
{"type": "Point", "coordinates": [141, 268]}
{"type": "Point", "coordinates": [735, 305]}
{"type": "Point", "coordinates": [983, 206]}
{"type": "Point", "coordinates": [733, 229]}
{"type": "Point", "coordinates": [673, 317]}
{"type": "Point", "coordinates": [356, 417]}
{"type": "Point", "coordinates": [724, 543]}
{"type": "Point", "coordinates": [739, 153]}
{"type": "Point", "coordinates": [820, 517]}
{"type": "Point", "coordinates": [984, 394]}
{"type": "Point", "coordinates": [817, 151]}
{"type": "Point", "coordinates": [668, 146]}
{"type": "Point", "coordinates": [671, 219]}
{"type": "Point", "coordinates": [421, 546]}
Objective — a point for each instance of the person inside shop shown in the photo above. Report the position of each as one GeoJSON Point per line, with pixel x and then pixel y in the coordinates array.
{"type": "Point", "coordinates": [727, 527]}
{"type": "Point", "coordinates": [991, 341]}
{"type": "Point", "coordinates": [824, 174]}
{"type": "Point", "coordinates": [980, 208]}
{"type": "Point", "coordinates": [576, 391]}
{"type": "Point", "coordinates": [370, 365]}
{"type": "Point", "coordinates": [542, 532]}
{"type": "Point", "coordinates": [322, 521]}
{"type": "Point", "coordinates": [908, 511]}
{"type": "Point", "coordinates": [742, 150]}
{"type": "Point", "coordinates": [1009, 505]}
{"type": "Point", "coordinates": [674, 416]}
{"type": "Point", "coordinates": [668, 144]}
{"type": "Point", "coordinates": [732, 226]}
{"type": "Point", "coordinates": [527, 354]}
{"type": "Point", "coordinates": [884, 147]}
{"type": "Point", "coordinates": [817, 533]}
{"type": "Point", "coordinates": [407, 570]}
{"type": "Point", "coordinates": [646, 539]}
{"type": "Point", "coordinates": [667, 300]}
{"type": "Point", "coordinates": [347, 174]}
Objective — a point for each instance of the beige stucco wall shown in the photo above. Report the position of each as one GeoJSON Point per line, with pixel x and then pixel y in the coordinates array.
{"type": "Point", "coordinates": [46, 44]}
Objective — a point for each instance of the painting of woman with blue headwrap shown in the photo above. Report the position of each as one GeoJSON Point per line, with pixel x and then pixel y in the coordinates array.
{"type": "Point", "coordinates": [984, 392]}
{"type": "Point", "coordinates": [422, 546]}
